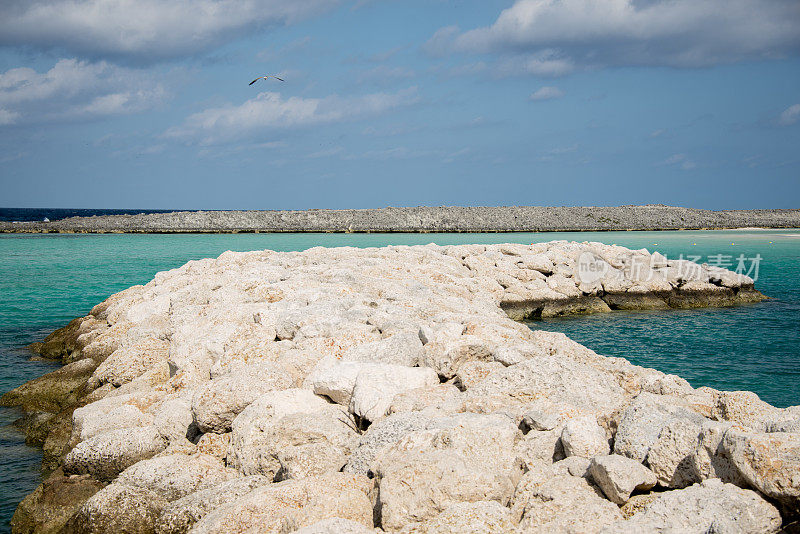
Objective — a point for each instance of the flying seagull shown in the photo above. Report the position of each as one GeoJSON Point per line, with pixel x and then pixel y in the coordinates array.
{"type": "Point", "coordinates": [265, 78]}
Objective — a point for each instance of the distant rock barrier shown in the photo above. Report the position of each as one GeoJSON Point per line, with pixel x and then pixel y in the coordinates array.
{"type": "Point", "coordinates": [389, 390]}
{"type": "Point", "coordinates": [420, 219]}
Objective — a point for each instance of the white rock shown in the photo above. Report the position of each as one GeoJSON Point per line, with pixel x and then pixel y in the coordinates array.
{"type": "Point", "coordinates": [108, 454]}
{"type": "Point", "coordinates": [583, 437]}
{"type": "Point", "coordinates": [377, 384]}
{"type": "Point", "coordinates": [711, 506]}
{"type": "Point", "coordinates": [291, 505]}
{"type": "Point", "coordinates": [618, 476]}
{"type": "Point", "coordinates": [217, 403]}
{"type": "Point", "coordinates": [177, 475]}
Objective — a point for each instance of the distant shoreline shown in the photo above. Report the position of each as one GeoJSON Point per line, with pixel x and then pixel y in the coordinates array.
{"type": "Point", "coordinates": [421, 220]}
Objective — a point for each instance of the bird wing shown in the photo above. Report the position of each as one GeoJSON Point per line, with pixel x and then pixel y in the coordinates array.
{"type": "Point", "coordinates": [254, 81]}
{"type": "Point", "coordinates": [281, 79]}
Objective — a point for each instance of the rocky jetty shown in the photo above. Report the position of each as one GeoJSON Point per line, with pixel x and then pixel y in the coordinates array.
{"type": "Point", "coordinates": [391, 390]}
{"type": "Point", "coordinates": [421, 219]}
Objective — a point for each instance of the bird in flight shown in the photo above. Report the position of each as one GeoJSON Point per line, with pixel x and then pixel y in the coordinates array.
{"type": "Point", "coordinates": [265, 78]}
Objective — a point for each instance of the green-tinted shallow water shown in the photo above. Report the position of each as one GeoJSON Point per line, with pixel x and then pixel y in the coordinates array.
{"type": "Point", "coordinates": [47, 280]}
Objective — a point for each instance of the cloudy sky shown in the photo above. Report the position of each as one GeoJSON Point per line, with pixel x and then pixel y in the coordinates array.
{"type": "Point", "coordinates": [146, 104]}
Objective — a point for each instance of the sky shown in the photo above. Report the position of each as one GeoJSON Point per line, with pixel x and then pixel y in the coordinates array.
{"type": "Point", "coordinates": [145, 104]}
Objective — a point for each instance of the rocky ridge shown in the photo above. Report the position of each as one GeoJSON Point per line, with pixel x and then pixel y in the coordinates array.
{"type": "Point", "coordinates": [368, 390]}
{"type": "Point", "coordinates": [421, 219]}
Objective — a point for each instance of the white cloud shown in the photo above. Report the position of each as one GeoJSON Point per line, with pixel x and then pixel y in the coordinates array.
{"type": "Point", "coordinates": [680, 161]}
{"type": "Point", "coordinates": [790, 115]}
{"type": "Point", "coordinates": [548, 92]}
{"type": "Point", "coordinates": [270, 111]}
{"type": "Point", "coordinates": [75, 89]}
{"type": "Point", "coordinates": [592, 33]}
{"type": "Point", "coordinates": [145, 29]}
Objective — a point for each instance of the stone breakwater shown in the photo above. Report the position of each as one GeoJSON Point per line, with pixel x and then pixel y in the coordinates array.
{"type": "Point", "coordinates": [369, 390]}
{"type": "Point", "coordinates": [421, 219]}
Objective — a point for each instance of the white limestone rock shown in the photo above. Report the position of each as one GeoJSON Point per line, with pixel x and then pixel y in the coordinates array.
{"type": "Point", "coordinates": [463, 458]}
{"type": "Point", "coordinates": [293, 504]}
{"type": "Point", "coordinates": [618, 476]}
{"type": "Point", "coordinates": [711, 506]}
{"type": "Point", "coordinates": [582, 436]}
{"type": "Point", "coordinates": [106, 455]}
{"type": "Point", "coordinates": [216, 404]}
{"type": "Point", "coordinates": [561, 503]}
{"type": "Point", "coordinates": [118, 508]}
{"type": "Point", "coordinates": [376, 386]}
{"type": "Point", "coordinates": [174, 476]}
{"type": "Point", "coordinates": [481, 517]}
{"type": "Point", "coordinates": [769, 463]}
{"type": "Point", "coordinates": [179, 516]}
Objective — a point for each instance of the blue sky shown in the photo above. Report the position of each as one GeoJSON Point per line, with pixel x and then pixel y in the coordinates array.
{"type": "Point", "coordinates": [146, 104]}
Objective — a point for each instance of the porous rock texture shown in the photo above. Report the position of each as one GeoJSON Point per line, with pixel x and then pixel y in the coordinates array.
{"type": "Point", "coordinates": [357, 389]}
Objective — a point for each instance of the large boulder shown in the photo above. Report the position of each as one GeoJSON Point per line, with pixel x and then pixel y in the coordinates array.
{"type": "Point", "coordinates": [293, 504]}
{"type": "Point", "coordinates": [291, 434]}
{"type": "Point", "coordinates": [465, 458]}
{"type": "Point", "coordinates": [118, 508]}
{"type": "Point", "coordinates": [711, 506]}
{"type": "Point", "coordinates": [769, 463]}
{"type": "Point", "coordinates": [544, 502]}
{"type": "Point", "coordinates": [481, 517]}
{"type": "Point", "coordinates": [217, 404]}
{"type": "Point", "coordinates": [618, 476]}
{"type": "Point", "coordinates": [108, 454]}
{"type": "Point", "coordinates": [174, 476]}
{"type": "Point", "coordinates": [180, 516]}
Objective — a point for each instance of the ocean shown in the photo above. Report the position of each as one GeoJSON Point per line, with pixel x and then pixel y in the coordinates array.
{"type": "Point", "coordinates": [54, 214]}
{"type": "Point", "coordinates": [47, 280]}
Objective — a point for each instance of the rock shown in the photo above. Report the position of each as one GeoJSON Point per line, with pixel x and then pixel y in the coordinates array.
{"type": "Point", "coordinates": [105, 415]}
{"type": "Point", "coordinates": [179, 516]}
{"type": "Point", "coordinates": [108, 454]}
{"type": "Point", "coordinates": [745, 408]}
{"type": "Point", "coordinates": [618, 476]}
{"type": "Point", "coordinates": [293, 504]}
{"type": "Point", "coordinates": [444, 397]}
{"type": "Point", "coordinates": [584, 437]}
{"type": "Point", "coordinates": [376, 386]}
{"type": "Point", "coordinates": [463, 458]}
{"type": "Point", "coordinates": [217, 404]}
{"type": "Point", "coordinates": [471, 373]}
{"type": "Point", "coordinates": [641, 423]}
{"type": "Point", "coordinates": [711, 506]}
{"type": "Point", "coordinates": [336, 525]}
{"type": "Point", "coordinates": [382, 434]}
{"type": "Point", "coordinates": [579, 386]}
{"type": "Point", "coordinates": [537, 420]}
{"type": "Point", "coordinates": [129, 362]}
{"type": "Point", "coordinates": [295, 446]}
{"type": "Point", "coordinates": [173, 419]}
{"type": "Point", "coordinates": [175, 476]}
{"type": "Point", "coordinates": [404, 348]}
{"type": "Point", "coordinates": [561, 503]}
{"type": "Point", "coordinates": [336, 382]}
{"type": "Point", "coordinates": [769, 463]}
{"type": "Point", "coordinates": [672, 455]}
{"type": "Point", "coordinates": [117, 508]}
{"type": "Point", "coordinates": [540, 446]}
{"type": "Point", "coordinates": [50, 506]}
{"type": "Point", "coordinates": [481, 517]}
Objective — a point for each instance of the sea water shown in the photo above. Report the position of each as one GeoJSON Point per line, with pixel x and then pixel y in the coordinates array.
{"type": "Point", "coordinates": [47, 280]}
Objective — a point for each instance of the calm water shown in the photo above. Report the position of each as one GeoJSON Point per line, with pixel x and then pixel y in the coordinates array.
{"type": "Point", "coordinates": [46, 280]}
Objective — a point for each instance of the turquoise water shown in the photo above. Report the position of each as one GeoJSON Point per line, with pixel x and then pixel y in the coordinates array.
{"type": "Point", "coordinates": [46, 280]}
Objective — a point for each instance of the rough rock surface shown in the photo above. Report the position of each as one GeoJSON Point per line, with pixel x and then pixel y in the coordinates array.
{"type": "Point", "coordinates": [619, 476]}
{"type": "Point", "coordinates": [712, 506]}
{"type": "Point", "coordinates": [423, 219]}
{"type": "Point", "coordinates": [391, 388]}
